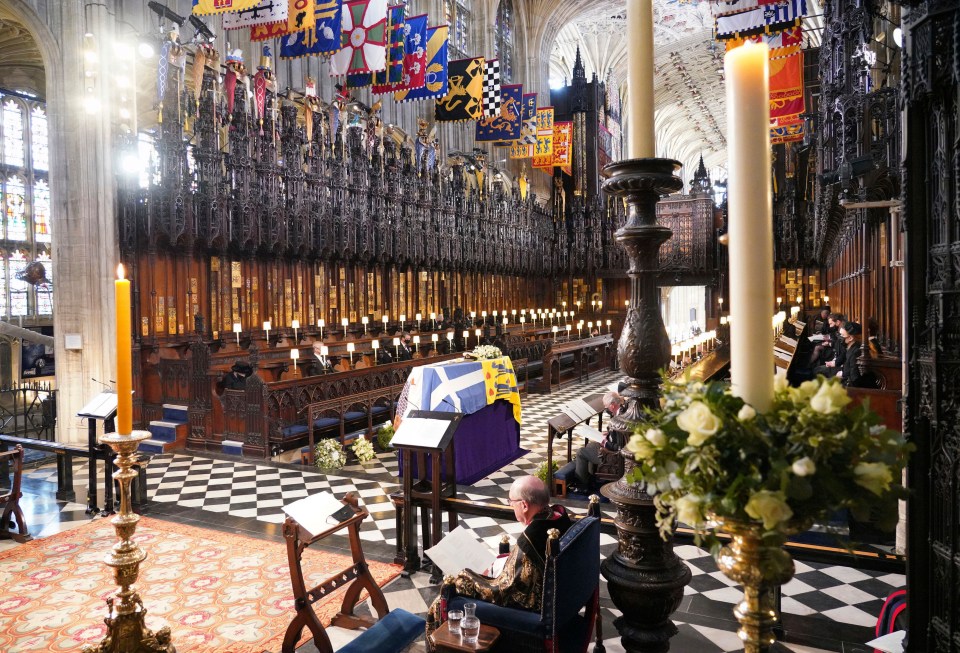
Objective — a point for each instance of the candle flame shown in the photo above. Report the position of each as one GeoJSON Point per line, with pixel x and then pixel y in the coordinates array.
{"type": "Point", "coordinates": [120, 272]}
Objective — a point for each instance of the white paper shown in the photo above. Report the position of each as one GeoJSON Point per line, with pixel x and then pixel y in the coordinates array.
{"type": "Point", "coordinates": [101, 406]}
{"type": "Point", "coordinates": [578, 410]}
{"type": "Point", "coordinates": [892, 643]}
{"type": "Point", "coordinates": [789, 341]}
{"type": "Point", "coordinates": [782, 355]}
{"type": "Point", "coordinates": [459, 550]}
{"type": "Point", "coordinates": [588, 432]}
{"type": "Point", "coordinates": [312, 512]}
{"type": "Point", "coordinates": [420, 432]}
{"type": "Point", "coordinates": [816, 338]}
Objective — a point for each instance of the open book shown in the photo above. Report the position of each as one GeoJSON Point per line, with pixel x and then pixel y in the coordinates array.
{"type": "Point", "coordinates": [316, 512]}
{"type": "Point", "coordinates": [578, 410]}
{"type": "Point", "coordinates": [461, 550]}
{"type": "Point", "coordinates": [588, 432]}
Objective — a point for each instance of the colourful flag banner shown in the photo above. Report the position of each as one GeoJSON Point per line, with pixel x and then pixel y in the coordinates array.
{"type": "Point", "coordinates": [543, 150]}
{"type": "Point", "coordinates": [462, 101]}
{"type": "Point", "coordinates": [726, 8]}
{"type": "Point", "coordinates": [523, 148]}
{"type": "Point", "coordinates": [767, 18]}
{"type": "Point", "coordinates": [491, 88]}
{"type": "Point", "coordinates": [300, 17]}
{"type": "Point", "coordinates": [562, 144]}
{"type": "Point", "coordinates": [505, 126]}
{"type": "Point", "coordinates": [262, 13]}
{"type": "Point", "coordinates": [363, 46]}
{"type": "Point", "coordinates": [436, 81]}
{"type": "Point", "coordinates": [324, 38]}
{"type": "Point", "coordinates": [781, 43]}
{"type": "Point", "coordinates": [208, 7]}
{"type": "Point", "coordinates": [269, 31]}
{"type": "Point", "coordinates": [786, 86]}
{"type": "Point", "coordinates": [388, 80]}
{"type": "Point", "coordinates": [787, 133]}
{"type": "Point", "coordinates": [415, 59]}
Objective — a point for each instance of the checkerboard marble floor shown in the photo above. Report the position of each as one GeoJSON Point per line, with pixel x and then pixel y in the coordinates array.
{"type": "Point", "coordinates": [825, 607]}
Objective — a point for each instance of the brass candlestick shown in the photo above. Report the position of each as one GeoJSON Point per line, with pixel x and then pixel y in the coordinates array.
{"type": "Point", "coordinates": [127, 629]}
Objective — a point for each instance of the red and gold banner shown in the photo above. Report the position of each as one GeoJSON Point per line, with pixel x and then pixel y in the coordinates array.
{"type": "Point", "coordinates": [562, 144]}
{"type": "Point", "coordinates": [786, 86]}
{"type": "Point", "coordinates": [207, 7]}
{"type": "Point", "coordinates": [543, 150]}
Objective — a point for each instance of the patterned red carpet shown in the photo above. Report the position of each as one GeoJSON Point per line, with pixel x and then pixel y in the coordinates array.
{"type": "Point", "coordinates": [219, 593]}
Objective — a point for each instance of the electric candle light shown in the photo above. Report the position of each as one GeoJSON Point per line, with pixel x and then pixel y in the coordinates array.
{"type": "Point", "coordinates": [364, 321]}
{"type": "Point", "coordinates": [266, 327]}
{"type": "Point", "coordinates": [403, 318]}
{"type": "Point", "coordinates": [324, 350]}
{"type": "Point", "coordinates": [124, 355]}
{"type": "Point", "coordinates": [494, 315]}
{"type": "Point", "coordinates": [506, 321]}
{"type": "Point", "coordinates": [294, 356]}
{"type": "Point", "coordinates": [386, 318]}
{"type": "Point", "coordinates": [779, 301]}
{"type": "Point", "coordinates": [350, 349]}
{"type": "Point", "coordinates": [450, 338]}
{"type": "Point", "coordinates": [554, 329]}
{"type": "Point", "coordinates": [826, 300]}
{"type": "Point", "coordinates": [296, 325]}
{"type": "Point", "coordinates": [723, 320]}
{"type": "Point", "coordinates": [600, 305]}
{"type": "Point", "coordinates": [579, 329]}
{"type": "Point", "coordinates": [593, 303]}
{"type": "Point", "coordinates": [320, 324]}
{"type": "Point", "coordinates": [750, 222]}
{"type": "Point", "coordinates": [523, 322]}
{"type": "Point", "coordinates": [237, 329]}
{"type": "Point", "coordinates": [514, 314]}
{"type": "Point", "coordinates": [477, 333]}
{"type": "Point", "coordinates": [416, 343]}
{"type": "Point", "coordinates": [345, 323]}
{"type": "Point", "coordinates": [396, 346]}
{"type": "Point", "coordinates": [626, 303]}
{"type": "Point", "coordinates": [433, 319]}
{"type": "Point", "coordinates": [418, 317]}
{"type": "Point", "coordinates": [609, 322]}
{"type": "Point", "coordinates": [375, 345]}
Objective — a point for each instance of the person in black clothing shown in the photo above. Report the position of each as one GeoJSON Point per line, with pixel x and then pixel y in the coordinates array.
{"type": "Point", "coordinates": [406, 348]}
{"type": "Point", "coordinates": [826, 349]}
{"type": "Point", "coordinates": [236, 378]}
{"type": "Point", "coordinates": [589, 456]}
{"type": "Point", "coordinates": [320, 362]}
{"type": "Point", "coordinates": [852, 334]}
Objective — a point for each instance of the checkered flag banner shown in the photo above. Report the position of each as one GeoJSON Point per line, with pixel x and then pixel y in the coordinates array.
{"type": "Point", "coordinates": [491, 88]}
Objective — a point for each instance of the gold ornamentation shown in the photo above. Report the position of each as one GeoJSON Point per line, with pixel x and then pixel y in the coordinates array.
{"type": "Point", "coordinates": [127, 630]}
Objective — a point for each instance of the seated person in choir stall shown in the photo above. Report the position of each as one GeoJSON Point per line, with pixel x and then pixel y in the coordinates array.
{"type": "Point", "coordinates": [839, 349]}
{"type": "Point", "coordinates": [826, 350]}
{"type": "Point", "coordinates": [852, 334]}
{"type": "Point", "coordinates": [236, 378]}
{"type": "Point", "coordinates": [822, 326]}
{"type": "Point", "coordinates": [520, 584]}
{"type": "Point", "coordinates": [874, 350]}
{"type": "Point", "coordinates": [588, 456]}
{"type": "Point", "coordinates": [319, 364]}
{"type": "Point", "coordinates": [406, 347]}
{"type": "Point", "coordinates": [384, 356]}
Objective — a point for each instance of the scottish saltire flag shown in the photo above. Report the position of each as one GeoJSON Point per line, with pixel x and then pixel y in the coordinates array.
{"type": "Point", "coordinates": [505, 126]}
{"type": "Point", "coordinates": [324, 38]}
{"type": "Point", "coordinates": [464, 387]}
{"type": "Point", "coordinates": [463, 98]}
{"type": "Point", "coordinates": [262, 13]}
{"type": "Point", "coordinates": [363, 46]}
{"type": "Point", "coordinates": [435, 80]}
{"type": "Point", "coordinates": [414, 72]}
{"type": "Point", "coordinates": [523, 148]}
{"type": "Point", "coordinates": [388, 80]}
{"type": "Point", "coordinates": [207, 7]}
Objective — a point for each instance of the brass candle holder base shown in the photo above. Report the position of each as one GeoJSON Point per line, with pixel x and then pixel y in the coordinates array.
{"type": "Point", "coordinates": [126, 621]}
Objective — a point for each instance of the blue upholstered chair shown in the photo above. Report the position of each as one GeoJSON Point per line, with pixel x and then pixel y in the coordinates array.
{"type": "Point", "coordinates": [571, 583]}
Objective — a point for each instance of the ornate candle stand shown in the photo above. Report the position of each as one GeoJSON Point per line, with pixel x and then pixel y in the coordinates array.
{"type": "Point", "coordinates": [645, 577]}
{"type": "Point", "coordinates": [127, 629]}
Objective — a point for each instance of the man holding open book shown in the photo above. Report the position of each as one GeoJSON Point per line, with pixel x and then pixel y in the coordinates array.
{"type": "Point", "coordinates": [588, 457]}
{"type": "Point", "coordinates": [520, 583]}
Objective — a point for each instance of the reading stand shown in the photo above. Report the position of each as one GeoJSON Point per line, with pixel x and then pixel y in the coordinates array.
{"type": "Point", "coordinates": [429, 435]}
{"type": "Point", "coordinates": [564, 423]}
{"type": "Point", "coordinates": [358, 576]}
{"type": "Point", "coordinates": [103, 407]}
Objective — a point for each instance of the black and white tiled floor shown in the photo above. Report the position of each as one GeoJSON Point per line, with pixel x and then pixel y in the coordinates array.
{"type": "Point", "coordinates": [825, 607]}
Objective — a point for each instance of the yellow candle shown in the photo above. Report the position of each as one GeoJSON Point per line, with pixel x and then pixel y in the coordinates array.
{"type": "Point", "coordinates": [750, 223]}
{"type": "Point", "coordinates": [642, 142]}
{"type": "Point", "coordinates": [124, 347]}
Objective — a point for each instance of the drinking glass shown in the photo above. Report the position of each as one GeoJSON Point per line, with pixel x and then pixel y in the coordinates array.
{"type": "Point", "coordinates": [470, 629]}
{"type": "Point", "coordinates": [470, 609]}
{"type": "Point", "coordinates": [453, 618]}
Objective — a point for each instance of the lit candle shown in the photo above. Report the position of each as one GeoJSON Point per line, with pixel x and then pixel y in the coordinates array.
{"type": "Point", "coordinates": [554, 329]}
{"type": "Point", "coordinates": [396, 346]}
{"type": "Point", "coordinates": [416, 343]}
{"type": "Point", "coordinates": [513, 312]}
{"type": "Point", "coordinates": [124, 355]}
{"type": "Point", "coordinates": [403, 318]}
{"type": "Point", "coordinates": [386, 318]}
{"type": "Point", "coordinates": [523, 322]}
{"type": "Point", "coordinates": [506, 321]}
{"type": "Point", "coordinates": [324, 350]}
{"type": "Point", "coordinates": [294, 355]}
{"type": "Point", "coordinates": [477, 333]}
{"type": "Point", "coordinates": [826, 300]}
{"type": "Point", "coordinates": [435, 338]}
{"type": "Point", "coordinates": [418, 317]}
{"type": "Point", "coordinates": [320, 324]}
{"type": "Point", "coordinates": [350, 349]}
{"type": "Point", "coordinates": [626, 303]}
{"type": "Point", "coordinates": [450, 338]}
{"type": "Point", "coordinates": [642, 142]}
{"type": "Point", "coordinates": [375, 345]}
{"type": "Point", "coordinates": [266, 328]}
{"type": "Point", "coordinates": [609, 322]}
{"type": "Point", "coordinates": [296, 325]}
{"type": "Point", "coordinates": [750, 222]}
{"type": "Point", "coordinates": [433, 320]}
{"type": "Point", "coordinates": [364, 321]}
{"type": "Point", "coordinates": [237, 329]}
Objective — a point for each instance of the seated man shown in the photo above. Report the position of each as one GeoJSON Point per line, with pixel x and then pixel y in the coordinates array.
{"type": "Point", "coordinates": [406, 348]}
{"type": "Point", "coordinates": [320, 362]}
{"type": "Point", "coordinates": [588, 457]}
{"type": "Point", "coordinates": [826, 349]}
{"type": "Point", "coordinates": [520, 584]}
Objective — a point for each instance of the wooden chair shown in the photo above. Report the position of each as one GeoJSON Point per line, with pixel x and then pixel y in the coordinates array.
{"type": "Point", "coordinates": [12, 513]}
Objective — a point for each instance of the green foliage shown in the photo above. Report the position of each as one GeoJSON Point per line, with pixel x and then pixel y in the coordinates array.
{"type": "Point", "coordinates": [330, 454]}
{"type": "Point", "coordinates": [384, 436]}
{"type": "Point", "coordinates": [542, 470]}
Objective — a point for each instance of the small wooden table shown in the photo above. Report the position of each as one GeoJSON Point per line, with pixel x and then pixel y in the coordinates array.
{"type": "Point", "coordinates": [446, 642]}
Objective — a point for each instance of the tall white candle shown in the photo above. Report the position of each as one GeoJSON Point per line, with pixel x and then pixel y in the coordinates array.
{"type": "Point", "coordinates": [642, 142]}
{"type": "Point", "coordinates": [750, 223]}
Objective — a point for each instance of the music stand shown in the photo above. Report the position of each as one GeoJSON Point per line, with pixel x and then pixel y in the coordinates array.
{"type": "Point", "coordinates": [426, 433]}
{"type": "Point", "coordinates": [102, 407]}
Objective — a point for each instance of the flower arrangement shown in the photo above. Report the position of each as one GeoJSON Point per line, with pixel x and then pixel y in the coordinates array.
{"type": "Point", "coordinates": [541, 472]}
{"type": "Point", "coordinates": [329, 454]}
{"type": "Point", "coordinates": [485, 352]}
{"type": "Point", "coordinates": [707, 456]}
{"type": "Point", "coordinates": [363, 449]}
{"type": "Point", "coordinates": [384, 436]}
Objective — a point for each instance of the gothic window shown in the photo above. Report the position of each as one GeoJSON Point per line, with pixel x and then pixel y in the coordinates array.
{"type": "Point", "coordinates": [503, 44]}
{"type": "Point", "coordinates": [25, 206]}
{"type": "Point", "coordinates": [457, 13]}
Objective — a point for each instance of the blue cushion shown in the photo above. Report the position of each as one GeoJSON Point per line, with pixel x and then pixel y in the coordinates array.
{"type": "Point", "coordinates": [293, 431]}
{"type": "Point", "coordinates": [353, 414]}
{"type": "Point", "coordinates": [564, 472]}
{"type": "Point", "coordinates": [325, 422]}
{"type": "Point", "coordinates": [578, 567]}
{"type": "Point", "coordinates": [391, 634]}
{"type": "Point", "coordinates": [380, 410]}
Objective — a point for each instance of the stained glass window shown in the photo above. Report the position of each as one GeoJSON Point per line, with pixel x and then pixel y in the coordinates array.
{"type": "Point", "coordinates": [13, 151]}
{"type": "Point", "coordinates": [457, 13]}
{"type": "Point", "coordinates": [18, 289]}
{"type": "Point", "coordinates": [3, 283]}
{"type": "Point", "coordinates": [38, 139]}
{"type": "Point", "coordinates": [45, 290]}
{"type": "Point", "coordinates": [503, 43]}
{"type": "Point", "coordinates": [41, 212]}
{"type": "Point", "coordinates": [15, 209]}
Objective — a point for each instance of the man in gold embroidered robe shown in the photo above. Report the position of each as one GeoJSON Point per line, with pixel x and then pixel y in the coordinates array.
{"type": "Point", "coordinates": [520, 584]}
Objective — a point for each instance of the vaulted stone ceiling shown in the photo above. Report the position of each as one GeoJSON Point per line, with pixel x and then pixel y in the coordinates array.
{"type": "Point", "coordinates": [688, 86]}
{"type": "Point", "coordinates": [21, 66]}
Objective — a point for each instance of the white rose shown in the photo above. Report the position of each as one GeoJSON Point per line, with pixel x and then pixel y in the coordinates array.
{"type": "Point", "coordinates": [804, 467]}
{"type": "Point", "coordinates": [769, 506]}
{"type": "Point", "coordinates": [875, 477]}
{"type": "Point", "coordinates": [688, 509]}
{"type": "Point", "coordinates": [780, 382]}
{"type": "Point", "coordinates": [656, 437]}
{"type": "Point", "coordinates": [699, 422]}
{"type": "Point", "coordinates": [640, 448]}
{"type": "Point", "coordinates": [746, 413]}
{"type": "Point", "coordinates": [829, 399]}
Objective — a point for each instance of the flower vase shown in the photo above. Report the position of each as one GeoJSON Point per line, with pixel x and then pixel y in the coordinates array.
{"type": "Point", "coordinates": [759, 564]}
